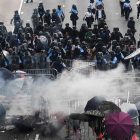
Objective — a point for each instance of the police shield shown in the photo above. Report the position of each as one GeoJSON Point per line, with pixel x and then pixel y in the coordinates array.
{"type": "Point", "coordinates": [43, 39]}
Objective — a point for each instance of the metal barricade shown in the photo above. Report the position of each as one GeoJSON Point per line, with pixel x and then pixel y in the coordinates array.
{"type": "Point", "coordinates": [50, 72]}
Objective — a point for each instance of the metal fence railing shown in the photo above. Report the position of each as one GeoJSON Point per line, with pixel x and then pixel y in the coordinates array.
{"type": "Point", "coordinates": [51, 72]}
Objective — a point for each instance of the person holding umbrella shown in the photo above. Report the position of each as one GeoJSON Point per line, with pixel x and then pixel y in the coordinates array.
{"type": "Point", "coordinates": [89, 17]}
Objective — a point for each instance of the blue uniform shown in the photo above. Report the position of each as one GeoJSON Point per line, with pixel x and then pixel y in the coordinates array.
{"type": "Point", "coordinates": [75, 11]}
{"type": "Point", "coordinates": [59, 12]}
{"type": "Point", "coordinates": [90, 5]}
{"type": "Point", "coordinates": [99, 2]}
{"type": "Point", "coordinates": [127, 10]}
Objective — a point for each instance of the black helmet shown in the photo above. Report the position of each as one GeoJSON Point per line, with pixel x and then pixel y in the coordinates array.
{"type": "Point", "coordinates": [54, 10]}
{"type": "Point", "coordinates": [27, 24]}
{"type": "Point", "coordinates": [104, 48]}
{"type": "Point", "coordinates": [112, 53]}
{"type": "Point", "coordinates": [99, 55]}
{"type": "Point", "coordinates": [59, 6]}
{"type": "Point", "coordinates": [16, 12]}
{"type": "Point", "coordinates": [67, 24]}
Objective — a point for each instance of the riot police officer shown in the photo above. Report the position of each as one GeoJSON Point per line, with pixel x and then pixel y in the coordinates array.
{"type": "Point", "coordinates": [100, 62]}
{"type": "Point", "coordinates": [127, 9]}
{"type": "Point", "coordinates": [14, 62]}
{"type": "Point", "coordinates": [16, 18]}
{"type": "Point", "coordinates": [35, 19]}
{"type": "Point", "coordinates": [113, 60]}
{"type": "Point", "coordinates": [74, 15]}
{"type": "Point", "coordinates": [41, 10]}
{"type": "Point", "coordinates": [60, 13]}
{"type": "Point", "coordinates": [121, 3]}
{"type": "Point", "coordinates": [47, 17]}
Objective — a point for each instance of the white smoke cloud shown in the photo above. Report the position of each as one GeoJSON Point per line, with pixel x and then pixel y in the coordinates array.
{"type": "Point", "coordinates": [111, 84]}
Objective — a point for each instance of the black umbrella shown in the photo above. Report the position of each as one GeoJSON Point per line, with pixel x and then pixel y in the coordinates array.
{"type": "Point", "coordinates": [22, 125]}
{"type": "Point", "coordinates": [6, 74]}
{"type": "Point", "coordinates": [94, 103]}
{"type": "Point", "coordinates": [107, 107]}
{"type": "Point", "coordinates": [81, 117]}
{"type": "Point", "coordinates": [2, 112]}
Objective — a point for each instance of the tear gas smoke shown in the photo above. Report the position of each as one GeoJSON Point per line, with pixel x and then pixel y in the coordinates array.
{"type": "Point", "coordinates": [61, 92]}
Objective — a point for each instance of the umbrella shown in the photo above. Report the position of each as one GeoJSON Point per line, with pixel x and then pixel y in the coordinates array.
{"type": "Point", "coordinates": [94, 103]}
{"type": "Point", "coordinates": [81, 117]}
{"type": "Point", "coordinates": [13, 87]}
{"type": "Point", "coordinates": [107, 107]}
{"type": "Point", "coordinates": [132, 110]}
{"type": "Point", "coordinates": [21, 125]}
{"type": "Point", "coordinates": [2, 112]}
{"type": "Point", "coordinates": [6, 54]}
{"type": "Point", "coordinates": [135, 53]}
{"type": "Point", "coordinates": [119, 125]}
{"type": "Point", "coordinates": [96, 113]}
{"type": "Point", "coordinates": [6, 74]}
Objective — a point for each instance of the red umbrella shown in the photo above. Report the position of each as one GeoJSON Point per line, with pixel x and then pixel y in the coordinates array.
{"type": "Point", "coordinates": [119, 125]}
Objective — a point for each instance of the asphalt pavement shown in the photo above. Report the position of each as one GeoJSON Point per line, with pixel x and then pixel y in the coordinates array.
{"type": "Point", "coordinates": [7, 8]}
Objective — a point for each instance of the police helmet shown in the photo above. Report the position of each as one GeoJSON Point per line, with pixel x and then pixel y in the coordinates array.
{"type": "Point", "coordinates": [74, 27]}
{"type": "Point", "coordinates": [101, 29]}
{"type": "Point", "coordinates": [27, 24]}
{"type": "Point", "coordinates": [91, 1]}
{"type": "Point", "coordinates": [99, 39]}
{"type": "Point", "coordinates": [104, 48]}
{"type": "Point", "coordinates": [115, 29]}
{"type": "Point", "coordinates": [60, 35]}
{"type": "Point", "coordinates": [128, 30]}
{"type": "Point", "coordinates": [40, 2]}
{"type": "Point", "coordinates": [16, 12]}
{"type": "Point", "coordinates": [105, 27]}
{"type": "Point", "coordinates": [89, 29]}
{"type": "Point", "coordinates": [84, 43]}
{"type": "Point", "coordinates": [74, 6]}
{"type": "Point", "coordinates": [45, 25]}
{"type": "Point", "coordinates": [99, 55]}
{"type": "Point", "coordinates": [1, 23]}
{"type": "Point", "coordinates": [20, 30]}
{"type": "Point", "coordinates": [83, 25]}
{"type": "Point", "coordinates": [55, 35]}
{"type": "Point", "coordinates": [47, 11]}
{"type": "Point", "coordinates": [54, 10]}
{"type": "Point", "coordinates": [47, 34]}
{"type": "Point", "coordinates": [131, 18]}
{"type": "Point", "coordinates": [59, 6]}
{"type": "Point", "coordinates": [118, 49]}
{"type": "Point", "coordinates": [43, 51]}
{"type": "Point", "coordinates": [67, 24]}
{"type": "Point", "coordinates": [112, 53]}
{"type": "Point", "coordinates": [54, 43]}
{"type": "Point", "coordinates": [35, 10]}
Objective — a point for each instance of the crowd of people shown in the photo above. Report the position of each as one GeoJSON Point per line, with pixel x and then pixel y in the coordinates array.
{"type": "Point", "coordinates": [48, 43]}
